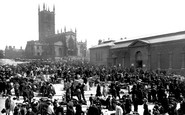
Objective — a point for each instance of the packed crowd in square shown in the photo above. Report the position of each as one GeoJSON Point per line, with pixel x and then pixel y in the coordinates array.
{"type": "Point", "coordinates": [35, 79]}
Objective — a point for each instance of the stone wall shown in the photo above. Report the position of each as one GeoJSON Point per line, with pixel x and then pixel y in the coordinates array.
{"type": "Point", "coordinates": [99, 56]}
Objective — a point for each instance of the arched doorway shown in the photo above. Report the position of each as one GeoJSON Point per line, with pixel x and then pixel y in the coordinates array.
{"type": "Point", "coordinates": [138, 59]}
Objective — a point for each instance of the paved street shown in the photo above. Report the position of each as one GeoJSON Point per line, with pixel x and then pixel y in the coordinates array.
{"type": "Point", "coordinates": [60, 92]}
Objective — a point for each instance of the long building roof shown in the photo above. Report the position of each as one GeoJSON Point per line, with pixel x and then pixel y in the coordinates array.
{"type": "Point", "coordinates": [150, 40]}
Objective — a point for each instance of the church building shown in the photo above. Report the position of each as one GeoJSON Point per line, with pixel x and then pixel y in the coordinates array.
{"type": "Point", "coordinates": [51, 45]}
{"type": "Point", "coordinates": [160, 52]}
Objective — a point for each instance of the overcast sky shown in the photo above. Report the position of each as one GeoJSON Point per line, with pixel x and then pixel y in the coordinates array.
{"type": "Point", "coordinates": [93, 19]}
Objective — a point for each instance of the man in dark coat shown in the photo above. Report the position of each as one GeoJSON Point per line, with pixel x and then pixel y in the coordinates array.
{"type": "Point", "coordinates": [8, 88]}
{"type": "Point", "coordinates": [128, 105]}
{"type": "Point", "coordinates": [118, 90]}
{"type": "Point", "coordinates": [135, 97]}
{"type": "Point", "coordinates": [91, 99]}
{"type": "Point", "coordinates": [82, 91]}
{"type": "Point", "coordinates": [145, 107]}
{"type": "Point", "coordinates": [79, 109]}
{"type": "Point", "coordinates": [114, 92]}
{"type": "Point", "coordinates": [153, 94]}
{"type": "Point", "coordinates": [93, 110]}
{"type": "Point", "coordinates": [108, 103]}
{"type": "Point", "coordinates": [78, 92]}
{"type": "Point", "coordinates": [8, 105]}
{"type": "Point", "coordinates": [98, 90]}
{"type": "Point", "coordinates": [59, 110]}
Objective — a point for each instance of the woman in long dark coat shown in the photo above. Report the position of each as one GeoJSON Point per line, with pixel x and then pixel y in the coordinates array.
{"type": "Point", "coordinates": [145, 107]}
{"type": "Point", "coordinates": [98, 90]}
{"type": "Point", "coordinates": [79, 110]}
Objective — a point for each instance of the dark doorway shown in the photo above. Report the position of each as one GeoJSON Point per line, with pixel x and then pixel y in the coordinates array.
{"type": "Point", "coordinates": [138, 59]}
{"type": "Point", "coordinates": [115, 61]}
{"type": "Point", "coordinates": [139, 64]}
{"type": "Point", "coordinates": [60, 52]}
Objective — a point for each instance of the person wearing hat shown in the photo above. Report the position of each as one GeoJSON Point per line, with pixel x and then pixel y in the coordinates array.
{"type": "Point", "coordinates": [8, 105]}
{"type": "Point", "coordinates": [55, 104]}
{"type": "Point", "coordinates": [108, 103]}
{"type": "Point", "coordinates": [79, 109]}
{"type": "Point", "coordinates": [98, 90]}
{"type": "Point", "coordinates": [145, 107]}
{"type": "Point", "coordinates": [91, 99]}
{"type": "Point", "coordinates": [118, 88]}
{"type": "Point", "coordinates": [128, 105]}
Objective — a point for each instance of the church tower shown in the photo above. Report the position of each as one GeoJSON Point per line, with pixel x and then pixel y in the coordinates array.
{"type": "Point", "coordinates": [46, 21]}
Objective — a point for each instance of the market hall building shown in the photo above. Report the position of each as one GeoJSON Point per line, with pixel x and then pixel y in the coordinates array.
{"type": "Point", "coordinates": [161, 52]}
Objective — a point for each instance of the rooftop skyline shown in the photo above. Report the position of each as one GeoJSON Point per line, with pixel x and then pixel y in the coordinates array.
{"type": "Point", "coordinates": [93, 20]}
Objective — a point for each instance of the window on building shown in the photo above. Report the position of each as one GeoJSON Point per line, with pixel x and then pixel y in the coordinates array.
{"type": "Point", "coordinates": [123, 62]}
{"type": "Point", "coordinates": [96, 56]}
{"type": "Point", "coordinates": [38, 53]}
{"type": "Point", "coordinates": [115, 61]}
{"type": "Point", "coordinates": [101, 56]}
{"type": "Point", "coordinates": [38, 47]}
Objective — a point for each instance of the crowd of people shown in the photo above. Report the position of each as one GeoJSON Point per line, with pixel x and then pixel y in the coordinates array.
{"type": "Point", "coordinates": [36, 78]}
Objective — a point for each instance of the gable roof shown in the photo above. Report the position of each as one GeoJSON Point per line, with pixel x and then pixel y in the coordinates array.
{"type": "Point", "coordinates": [122, 45]}
{"type": "Point", "coordinates": [146, 42]}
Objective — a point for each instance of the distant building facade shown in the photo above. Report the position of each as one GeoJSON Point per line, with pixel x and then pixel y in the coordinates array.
{"type": "Point", "coordinates": [11, 52]}
{"type": "Point", "coordinates": [161, 52]}
{"type": "Point", "coordinates": [82, 49]}
{"type": "Point", "coordinates": [51, 45]}
{"type": "Point", "coordinates": [99, 55]}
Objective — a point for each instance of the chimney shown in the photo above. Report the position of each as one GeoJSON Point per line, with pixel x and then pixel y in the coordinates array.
{"type": "Point", "coordinates": [99, 42]}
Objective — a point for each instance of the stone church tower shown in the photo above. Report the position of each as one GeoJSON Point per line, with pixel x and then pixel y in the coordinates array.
{"type": "Point", "coordinates": [52, 45]}
{"type": "Point", "coordinates": [46, 22]}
